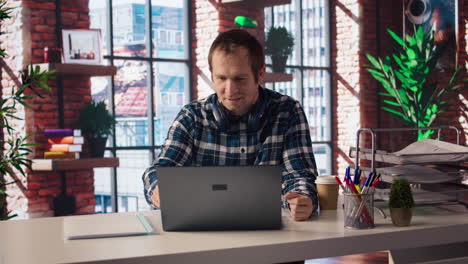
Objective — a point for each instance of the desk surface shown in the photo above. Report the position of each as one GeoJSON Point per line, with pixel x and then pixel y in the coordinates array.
{"type": "Point", "coordinates": [41, 240]}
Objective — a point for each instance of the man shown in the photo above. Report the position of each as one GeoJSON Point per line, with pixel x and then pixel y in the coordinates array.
{"type": "Point", "coordinates": [242, 124]}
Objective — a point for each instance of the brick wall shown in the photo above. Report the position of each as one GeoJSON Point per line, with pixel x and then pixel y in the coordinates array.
{"type": "Point", "coordinates": [34, 196]}
{"type": "Point", "coordinates": [346, 78]}
{"type": "Point", "coordinates": [209, 19]}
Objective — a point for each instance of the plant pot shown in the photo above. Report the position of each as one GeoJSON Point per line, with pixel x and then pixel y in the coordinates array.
{"type": "Point", "coordinates": [97, 146]}
{"type": "Point", "coordinates": [279, 63]}
{"type": "Point", "coordinates": [401, 216]}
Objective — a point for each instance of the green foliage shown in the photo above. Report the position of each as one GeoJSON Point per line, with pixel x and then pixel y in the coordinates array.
{"type": "Point", "coordinates": [4, 14]}
{"type": "Point", "coordinates": [401, 195]}
{"type": "Point", "coordinates": [279, 42]}
{"type": "Point", "coordinates": [96, 121]}
{"type": "Point", "coordinates": [404, 77]}
{"type": "Point", "coordinates": [16, 149]}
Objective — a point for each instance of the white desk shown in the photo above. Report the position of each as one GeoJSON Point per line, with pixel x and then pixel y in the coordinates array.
{"type": "Point", "coordinates": [41, 241]}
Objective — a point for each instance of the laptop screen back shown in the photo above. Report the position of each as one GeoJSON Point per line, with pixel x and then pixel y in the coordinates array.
{"type": "Point", "coordinates": [220, 197]}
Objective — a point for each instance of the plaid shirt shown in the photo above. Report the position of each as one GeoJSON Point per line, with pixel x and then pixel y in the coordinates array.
{"type": "Point", "coordinates": [281, 138]}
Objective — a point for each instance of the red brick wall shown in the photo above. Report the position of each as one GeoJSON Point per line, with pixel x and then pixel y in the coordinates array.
{"type": "Point", "coordinates": [34, 196]}
{"type": "Point", "coordinates": [346, 85]}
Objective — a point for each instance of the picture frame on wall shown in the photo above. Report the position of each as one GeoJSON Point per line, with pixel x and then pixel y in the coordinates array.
{"type": "Point", "coordinates": [82, 46]}
{"type": "Point", "coordinates": [440, 15]}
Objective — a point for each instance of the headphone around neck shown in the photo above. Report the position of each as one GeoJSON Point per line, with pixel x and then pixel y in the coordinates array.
{"type": "Point", "coordinates": [220, 114]}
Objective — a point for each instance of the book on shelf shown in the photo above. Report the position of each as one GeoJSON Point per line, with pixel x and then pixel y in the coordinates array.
{"type": "Point", "coordinates": [61, 132]}
{"type": "Point", "coordinates": [66, 147]}
{"type": "Point", "coordinates": [66, 140]}
{"type": "Point", "coordinates": [61, 155]}
{"type": "Point", "coordinates": [41, 164]}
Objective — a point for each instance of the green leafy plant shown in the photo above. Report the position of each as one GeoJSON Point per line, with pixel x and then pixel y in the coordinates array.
{"type": "Point", "coordinates": [4, 14]}
{"type": "Point", "coordinates": [279, 42]}
{"type": "Point", "coordinates": [404, 76]}
{"type": "Point", "coordinates": [17, 148]}
{"type": "Point", "coordinates": [96, 121]}
{"type": "Point", "coordinates": [401, 195]}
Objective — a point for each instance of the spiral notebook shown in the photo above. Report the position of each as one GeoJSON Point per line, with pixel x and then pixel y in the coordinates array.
{"type": "Point", "coordinates": [105, 226]}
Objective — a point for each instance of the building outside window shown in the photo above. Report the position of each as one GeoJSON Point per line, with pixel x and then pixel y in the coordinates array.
{"type": "Point", "coordinates": [308, 21]}
{"type": "Point", "coordinates": [149, 89]}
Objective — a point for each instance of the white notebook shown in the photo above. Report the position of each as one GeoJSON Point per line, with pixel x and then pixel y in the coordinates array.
{"type": "Point", "coordinates": [105, 225]}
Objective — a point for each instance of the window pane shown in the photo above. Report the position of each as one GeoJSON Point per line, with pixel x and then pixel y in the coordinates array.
{"type": "Point", "coordinates": [130, 86]}
{"type": "Point", "coordinates": [100, 89]}
{"type": "Point", "coordinates": [128, 25]}
{"type": "Point", "coordinates": [102, 188]}
{"type": "Point", "coordinates": [98, 18]}
{"type": "Point", "coordinates": [129, 183]}
{"type": "Point", "coordinates": [285, 16]}
{"type": "Point", "coordinates": [316, 104]}
{"type": "Point", "coordinates": [287, 88]}
{"type": "Point", "coordinates": [322, 154]}
{"type": "Point", "coordinates": [169, 29]}
{"type": "Point", "coordinates": [131, 104]}
{"type": "Point", "coordinates": [171, 94]}
{"type": "Point", "coordinates": [315, 33]}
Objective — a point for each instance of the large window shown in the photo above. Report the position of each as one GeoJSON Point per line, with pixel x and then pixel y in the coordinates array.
{"type": "Point", "coordinates": [308, 21]}
{"type": "Point", "coordinates": [147, 40]}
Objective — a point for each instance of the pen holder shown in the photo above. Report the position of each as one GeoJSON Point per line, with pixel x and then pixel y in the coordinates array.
{"type": "Point", "coordinates": [359, 210]}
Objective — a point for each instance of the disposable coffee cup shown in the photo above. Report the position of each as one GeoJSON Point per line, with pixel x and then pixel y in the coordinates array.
{"type": "Point", "coordinates": [327, 189]}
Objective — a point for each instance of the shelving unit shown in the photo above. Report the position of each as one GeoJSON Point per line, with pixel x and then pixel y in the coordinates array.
{"type": "Point", "coordinates": [77, 164]}
{"type": "Point", "coordinates": [278, 77]}
{"type": "Point", "coordinates": [64, 203]}
{"type": "Point", "coordinates": [433, 171]}
{"type": "Point", "coordinates": [79, 69]}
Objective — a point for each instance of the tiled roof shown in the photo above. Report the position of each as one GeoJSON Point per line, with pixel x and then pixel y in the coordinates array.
{"type": "Point", "coordinates": [132, 102]}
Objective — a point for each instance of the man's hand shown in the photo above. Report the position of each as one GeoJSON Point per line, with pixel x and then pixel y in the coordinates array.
{"type": "Point", "coordinates": [300, 206]}
{"type": "Point", "coordinates": [155, 197]}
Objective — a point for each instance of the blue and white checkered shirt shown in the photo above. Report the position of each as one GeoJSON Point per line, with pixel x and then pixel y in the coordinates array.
{"type": "Point", "coordinates": [281, 137]}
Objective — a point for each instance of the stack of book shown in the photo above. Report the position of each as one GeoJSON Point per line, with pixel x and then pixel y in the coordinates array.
{"type": "Point", "coordinates": [63, 143]}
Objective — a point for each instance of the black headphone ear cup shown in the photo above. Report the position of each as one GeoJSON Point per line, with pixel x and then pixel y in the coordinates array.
{"type": "Point", "coordinates": [256, 116]}
{"type": "Point", "coordinates": [219, 117]}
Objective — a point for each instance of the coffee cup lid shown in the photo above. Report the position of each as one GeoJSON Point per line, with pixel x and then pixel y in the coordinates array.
{"type": "Point", "coordinates": [327, 179]}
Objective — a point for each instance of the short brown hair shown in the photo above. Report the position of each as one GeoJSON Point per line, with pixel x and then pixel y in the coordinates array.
{"type": "Point", "coordinates": [231, 40]}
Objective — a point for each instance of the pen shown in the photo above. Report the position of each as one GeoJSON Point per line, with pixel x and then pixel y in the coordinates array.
{"type": "Point", "coordinates": [340, 183]}
{"type": "Point", "coordinates": [357, 188]}
{"type": "Point", "coordinates": [367, 182]}
{"type": "Point", "coordinates": [366, 190]}
{"type": "Point", "coordinates": [357, 174]}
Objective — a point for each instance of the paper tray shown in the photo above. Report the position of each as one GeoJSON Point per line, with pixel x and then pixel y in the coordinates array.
{"type": "Point", "coordinates": [422, 197]}
{"type": "Point", "coordinates": [426, 151]}
{"type": "Point", "coordinates": [418, 174]}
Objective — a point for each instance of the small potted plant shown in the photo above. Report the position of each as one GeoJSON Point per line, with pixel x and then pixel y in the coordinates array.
{"type": "Point", "coordinates": [96, 124]}
{"type": "Point", "coordinates": [279, 45]}
{"type": "Point", "coordinates": [401, 202]}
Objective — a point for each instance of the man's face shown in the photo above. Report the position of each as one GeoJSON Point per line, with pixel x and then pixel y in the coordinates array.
{"type": "Point", "coordinates": [234, 80]}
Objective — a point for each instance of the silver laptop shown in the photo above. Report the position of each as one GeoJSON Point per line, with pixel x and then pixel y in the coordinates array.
{"type": "Point", "coordinates": [220, 198]}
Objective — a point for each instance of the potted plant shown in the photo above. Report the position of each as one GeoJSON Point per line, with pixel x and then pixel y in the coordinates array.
{"type": "Point", "coordinates": [406, 76]}
{"type": "Point", "coordinates": [16, 149]}
{"type": "Point", "coordinates": [279, 45]}
{"type": "Point", "coordinates": [401, 202]}
{"type": "Point", "coordinates": [96, 124]}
